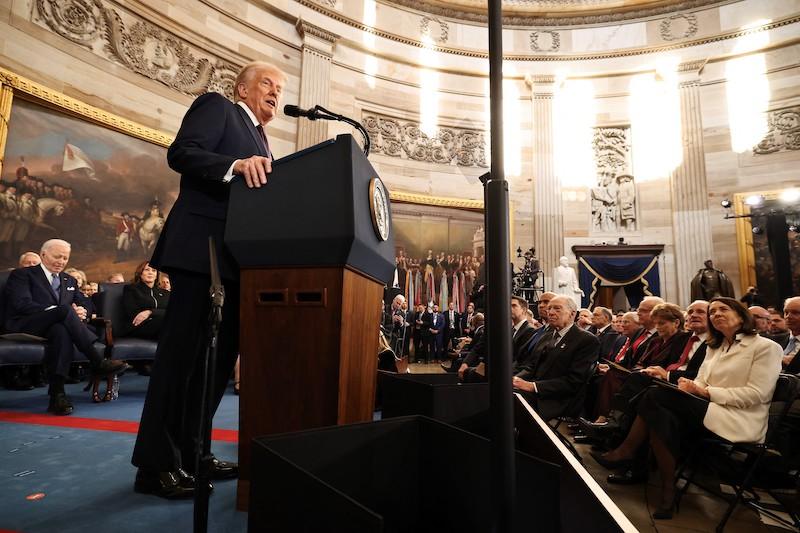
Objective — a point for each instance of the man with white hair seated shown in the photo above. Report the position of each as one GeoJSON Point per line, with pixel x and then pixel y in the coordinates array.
{"type": "Point", "coordinates": [42, 300]}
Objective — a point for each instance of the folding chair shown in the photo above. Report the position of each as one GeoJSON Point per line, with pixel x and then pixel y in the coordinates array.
{"type": "Point", "coordinates": [786, 392]}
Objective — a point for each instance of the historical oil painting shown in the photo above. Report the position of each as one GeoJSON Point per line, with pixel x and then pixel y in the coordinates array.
{"type": "Point", "coordinates": [105, 192]}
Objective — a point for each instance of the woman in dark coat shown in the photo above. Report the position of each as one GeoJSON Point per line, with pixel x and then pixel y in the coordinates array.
{"type": "Point", "coordinates": [144, 304]}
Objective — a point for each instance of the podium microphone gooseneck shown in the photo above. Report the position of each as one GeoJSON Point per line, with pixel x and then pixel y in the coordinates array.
{"type": "Point", "coordinates": [203, 457]}
{"type": "Point", "coordinates": [320, 113]}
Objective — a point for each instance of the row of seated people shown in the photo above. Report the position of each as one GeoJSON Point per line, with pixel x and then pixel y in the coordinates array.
{"type": "Point", "coordinates": [43, 300]}
{"type": "Point", "coordinates": [715, 351]}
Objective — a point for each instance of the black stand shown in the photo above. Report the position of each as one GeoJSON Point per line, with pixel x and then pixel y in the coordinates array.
{"type": "Point", "coordinates": [202, 459]}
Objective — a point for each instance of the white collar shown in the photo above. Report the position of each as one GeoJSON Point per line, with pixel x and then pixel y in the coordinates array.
{"type": "Point", "coordinates": [518, 325]}
{"type": "Point", "coordinates": [564, 331]}
{"type": "Point", "coordinates": [603, 329]}
{"type": "Point", "coordinates": [249, 113]}
{"type": "Point", "coordinates": [49, 275]}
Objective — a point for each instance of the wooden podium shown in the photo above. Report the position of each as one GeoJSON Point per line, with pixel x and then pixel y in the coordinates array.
{"type": "Point", "coordinates": [315, 250]}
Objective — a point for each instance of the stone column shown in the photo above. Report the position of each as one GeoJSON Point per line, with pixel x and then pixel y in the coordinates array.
{"type": "Point", "coordinates": [691, 225]}
{"type": "Point", "coordinates": [315, 80]}
{"type": "Point", "coordinates": [548, 219]}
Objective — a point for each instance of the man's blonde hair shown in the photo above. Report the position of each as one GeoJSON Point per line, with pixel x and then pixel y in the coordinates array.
{"type": "Point", "coordinates": [247, 72]}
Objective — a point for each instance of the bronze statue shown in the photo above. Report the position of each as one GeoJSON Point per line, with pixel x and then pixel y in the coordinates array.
{"type": "Point", "coordinates": [710, 282]}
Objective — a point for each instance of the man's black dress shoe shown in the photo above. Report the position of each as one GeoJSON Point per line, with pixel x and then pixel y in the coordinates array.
{"type": "Point", "coordinates": [59, 404]}
{"type": "Point", "coordinates": [627, 477]}
{"type": "Point", "coordinates": [584, 439]}
{"type": "Point", "coordinates": [169, 485]}
{"type": "Point", "coordinates": [110, 367]}
{"type": "Point", "coordinates": [224, 469]}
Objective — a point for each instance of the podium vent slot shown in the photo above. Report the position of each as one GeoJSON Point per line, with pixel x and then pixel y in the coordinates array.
{"type": "Point", "coordinates": [273, 297]}
{"type": "Point", "coordinates": [310, 297]}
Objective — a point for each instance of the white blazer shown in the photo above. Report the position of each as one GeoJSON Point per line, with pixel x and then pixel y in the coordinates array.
{"type": "Point", "coordinates": [740, 381]}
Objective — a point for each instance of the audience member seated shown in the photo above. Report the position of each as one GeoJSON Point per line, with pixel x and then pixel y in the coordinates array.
{"type": "Point", "coordinates": [24, 377]}
{"type": "Point", "coordinates": [116, 277]}
{"type": "Point", "coordinates": [761, 317]}
{"type": "Point", "coordinates": [602, 328]}
{"type": "Point", "coordinates": [538, 334]}
{"type": "Point", "coordinates": [522, 330]}
{"type": "Point", "coordinates": [624, 404]}
{"type": "Point", "coordinates": [730, 397]}
{"type": "Point", "coordinates": [42, 300]}
{"type": "Point", "coordinates": [163, 281]}
{"type": "Point", "coordinates": [144, 304]}
{"type": "Point", "coordinates": [553, 378]}
{"type": "Point", "coordinates": [778, 330]}
{"type": "Point", "coordinates": [628, 356]}
{"type": "Point", "coordinates": [584, 319]}
{"type": "Point", "coordinates": [791, 312]}
{"type": "Point", "coordinates": [476, 354]}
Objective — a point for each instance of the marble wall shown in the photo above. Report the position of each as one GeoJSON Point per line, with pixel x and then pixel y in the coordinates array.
{"type": "Point", "coordinates": [146, 60]}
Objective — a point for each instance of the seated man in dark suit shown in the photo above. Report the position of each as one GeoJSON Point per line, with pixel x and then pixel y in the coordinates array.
{"type": "Point", "coordinates": [476, 353]}
{"type": "Point", "coordinates": [521, 328]}
{"type": "Point", "coordinates": [553, 381]}
{"type": "Point", "coordinates": [601, 323]}
{"type": "Point", "coordinates": [42, 300]}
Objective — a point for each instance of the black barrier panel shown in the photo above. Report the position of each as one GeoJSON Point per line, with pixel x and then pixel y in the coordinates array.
{"type": "Point", "coordinates": [389, 476]}
{"type": "Point", "coordinates": [438, 396]}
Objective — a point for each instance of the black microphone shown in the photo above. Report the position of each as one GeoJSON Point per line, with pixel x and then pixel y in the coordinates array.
{"type": "Point", "coordinates": [320, 113]}
{"type": "Point", "coordinates": [295, 111]}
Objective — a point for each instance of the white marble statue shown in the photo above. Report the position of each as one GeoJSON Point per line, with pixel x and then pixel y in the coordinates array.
{"type": "Point", "coordinates": [566, 281]}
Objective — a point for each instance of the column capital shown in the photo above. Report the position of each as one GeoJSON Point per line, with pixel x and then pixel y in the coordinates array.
{"type": "Point", "coordinates": [315, 37]}
{"type": "Point", "coordinates": [689, 72]}
{"type": "Point", "coordinates": [541, 85]}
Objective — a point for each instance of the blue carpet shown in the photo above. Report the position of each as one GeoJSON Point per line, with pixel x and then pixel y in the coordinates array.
{"type": "Point", "coordinates": [86, 475]}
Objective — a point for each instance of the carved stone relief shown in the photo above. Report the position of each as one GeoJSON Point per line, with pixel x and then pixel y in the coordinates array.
{"type": "Point", "coordinates": [402, 138]}
{"type": "Point", "coordinates": [613, 199]}
{"type": "Point", "coordinates": [437, 30]}
{"type": "Point", "coordinates": [545, 41]}
{"type": "Point", "coordinates": [783, 134]}
{"type": "Point", "coordinates": [136, 44]}
{"type": "Point", "coordinates": [675, 27]}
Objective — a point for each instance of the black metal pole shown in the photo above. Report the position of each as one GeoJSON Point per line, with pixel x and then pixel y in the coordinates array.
{"type": "Point", "coordinates": [498, 277]}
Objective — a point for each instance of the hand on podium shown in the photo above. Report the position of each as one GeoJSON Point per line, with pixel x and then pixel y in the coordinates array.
{"type": "Point", "coordinates": [254, 169]}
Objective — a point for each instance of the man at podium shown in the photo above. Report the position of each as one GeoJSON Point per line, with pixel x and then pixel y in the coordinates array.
{"type": "Point", "coordinates": [217, 141]}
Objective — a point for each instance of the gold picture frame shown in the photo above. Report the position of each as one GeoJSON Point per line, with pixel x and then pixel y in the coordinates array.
{"type": "Point", "coordinates": [744, 236]}
{"type": "Point", "coordinates": [13, 85]}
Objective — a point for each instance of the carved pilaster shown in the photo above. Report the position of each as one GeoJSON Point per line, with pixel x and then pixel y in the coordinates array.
{"type": "Point", "coordinates": [315, 80]}
{"type": "Point", "coordinates": [690, 215]}
{"type": "Point", "coordinates": [548, 218]}
{"type": "Point", "coordinates": [6, 96]}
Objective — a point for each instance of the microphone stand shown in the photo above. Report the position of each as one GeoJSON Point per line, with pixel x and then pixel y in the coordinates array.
{"type": "Point", "coordinates": [324, 114]}
{"type": "Point", "coordinates": [203, 457]}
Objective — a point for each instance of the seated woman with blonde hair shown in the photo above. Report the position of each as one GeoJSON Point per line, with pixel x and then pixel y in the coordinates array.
{"type": "Point", "coordinates": [730, 397]}
{"type": "Point", "coordinates": [144, 304]}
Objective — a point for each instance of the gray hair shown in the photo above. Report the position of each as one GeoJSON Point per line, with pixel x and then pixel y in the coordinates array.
{"type": "Point", "coordinates": [571, 305]}
{"type": "Point", "coordinates": [631, 315]}
{"type": "Point", "coordinates": [606, 312]}
{"type": "Point", "coordinates": [54, 242]}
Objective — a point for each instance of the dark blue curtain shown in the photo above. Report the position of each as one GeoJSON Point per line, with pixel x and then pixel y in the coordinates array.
{"type": "Point", "coordinates": [639, 274]}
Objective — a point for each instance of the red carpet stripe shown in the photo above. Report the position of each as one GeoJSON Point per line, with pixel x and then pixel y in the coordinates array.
{"type": "Point", "coordinates": [96, 424]}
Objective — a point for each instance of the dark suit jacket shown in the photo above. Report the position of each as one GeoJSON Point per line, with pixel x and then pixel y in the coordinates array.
{"type": "Point", "coordinates": [138, 297]}
{"type": "Point", "coordinates": [457, 322]}
{"type": "Point", "coordinates": [692, 368]}
{"type": "Point", "coordinates": [28, 292]}
{"type": "Point", "coordinates": [477, 350]}
{"type": "Point", "coordinates": [521, 340]}
{"type": "Point", "coordinates": [632, 357]}
{"type": "Point", "coordinates": [561, 371]}
{"type": "Point", "coordinates": [608, 340]}
{"type": "Point", "coordinates": [214, 133]}
{"type": "Point", "coordinates": [663, 354]}
{"type": "Point", "coordinates": [780, 338]}
{"type": "Point", "coordinates": [464, 323]}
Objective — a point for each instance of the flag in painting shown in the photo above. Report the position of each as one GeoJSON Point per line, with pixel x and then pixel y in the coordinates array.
{"type": "Point", "coordinates": [75, 158]}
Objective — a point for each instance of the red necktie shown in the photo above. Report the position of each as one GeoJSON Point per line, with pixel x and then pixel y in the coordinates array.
{"type": "Point", "coordinates": [621, 353]}
{"type": "Point", "coordinates": [685, 355]}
